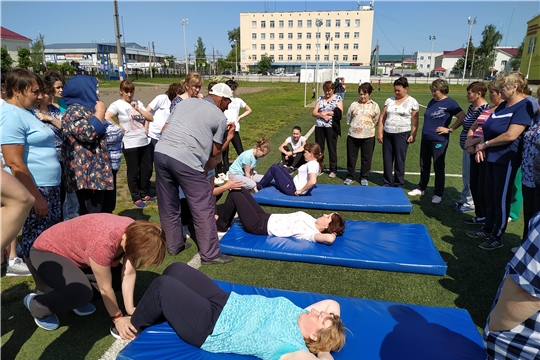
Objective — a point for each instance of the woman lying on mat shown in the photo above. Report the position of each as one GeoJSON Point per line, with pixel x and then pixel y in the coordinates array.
{"type": "Point", "coordinates": [299, 225]}
{"type": "Point", "coordinates": [303, 181]}
{"type": "Point", "coordinates": [204, 315]}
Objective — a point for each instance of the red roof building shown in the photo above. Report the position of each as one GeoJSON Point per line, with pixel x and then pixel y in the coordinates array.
{"type": "Point", "coordinates": [13, 42]}
{"type": "Point", "coordinates": [12, 35]}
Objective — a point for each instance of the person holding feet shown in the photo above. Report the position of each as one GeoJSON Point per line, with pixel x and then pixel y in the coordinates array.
{"type": "Point", "coordinates": [292, 150]}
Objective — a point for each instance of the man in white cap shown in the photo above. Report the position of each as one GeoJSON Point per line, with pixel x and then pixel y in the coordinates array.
{"type": "Point", "coordinates": [197, 129]}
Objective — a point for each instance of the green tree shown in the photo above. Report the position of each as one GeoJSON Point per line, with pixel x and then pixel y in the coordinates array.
{"type": "Point", "coordinates": [458, 66]}
{"type": "Point", "coordinates": [37, 53]}
{"type": "Point", "coordinates": [515, 62]}
{"type": "Point", "coordinates": [486, 51]}
{"type": "Point", "coordinates": [54, 67]}
{"type": "Point", "coordinates": [24, 58]}
{"type": "Point", "coordinates": [6, 60]}
{"type": "Point", "coordinates": [200, 53]}
{"type": "Point", "coordinates": [265, 63]}
{"type": "Point", "coordinates": [234, 55]}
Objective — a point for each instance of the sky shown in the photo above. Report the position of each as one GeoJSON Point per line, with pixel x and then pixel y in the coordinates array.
{"type": "Point", "coordinates": [397, 24]}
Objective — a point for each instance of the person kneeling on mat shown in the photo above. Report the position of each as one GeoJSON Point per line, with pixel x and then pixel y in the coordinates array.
{"type": "Point", "coordinates": [304, 181]}
{"type": "Point", "coordinates": [204, 315]}
{"type": "Point", "coordinates": [77, 260]}
{"type": "Point", "coordinates": [298, 225]}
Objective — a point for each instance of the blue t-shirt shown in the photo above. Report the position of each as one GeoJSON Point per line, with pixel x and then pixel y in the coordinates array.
{"type": "Point", "coordinates": [498, 123]}
{"type": "Point", "coordinates": [256, 325]}
{"type": "Point", "coordinates": [439, 113]}
{"type": "Point", "coordinates": [22, 127]}
{"type": "Point", "coordinates": [245, 158]}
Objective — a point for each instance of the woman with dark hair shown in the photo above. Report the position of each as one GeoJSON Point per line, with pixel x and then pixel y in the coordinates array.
{"type": "Point", "coordinates": [398, 124]}
{"type": "Point", "coordinates": [132, 117]}
{"type": "Point", "coordinates": [28, 151]}
{"type": "Point", "coordinates": [56, 82]}
{"type": "Point", "coordinates": [362, 116]}
{"type": "Point", "coordinates": [435, 137]}
{"type": "Point", "coordinates": [328, 112]}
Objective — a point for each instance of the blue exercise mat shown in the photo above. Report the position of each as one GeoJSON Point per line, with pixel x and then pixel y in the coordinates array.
{"type": "Point", "coordinates": [365, 245]}
{"type": "Point", "coordinates": [377, 330]}
{"type": "Point", "coordinates": [341, 197]}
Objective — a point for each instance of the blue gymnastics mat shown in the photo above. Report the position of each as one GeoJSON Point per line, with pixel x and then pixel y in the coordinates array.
{"type": "Point", "coordinates": [341, 197]}
{"type": "Point", "coordinates": [377, 330]}
{"type": "Point", "coordinates": [365, 245]}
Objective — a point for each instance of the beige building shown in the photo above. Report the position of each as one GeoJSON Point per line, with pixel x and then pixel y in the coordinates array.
{"type": "Point", "coordinates": [293, 38]}
{"type": "Point", "coordinates": [13, 42]}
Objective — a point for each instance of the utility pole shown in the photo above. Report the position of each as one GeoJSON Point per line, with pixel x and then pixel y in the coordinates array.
{"type": "Point", "coordinates": [402, 59]}
{"type": "Point", "coordinates": [150, 60]}
{"type": "Point", "coordinates": [432, 38]}
{"type": "Point", "coordinates": [118, 46]}
{"type": "Point", "coordinates": [318, 23]}
{"type": "Point", "coordinates": [153, 55]}
{"type": "Point", "coordinates": [195, 56]}
{"type": "Point", "coordinates": [471, 23]}
{"type": "Point", "coordinates": [184, 23]}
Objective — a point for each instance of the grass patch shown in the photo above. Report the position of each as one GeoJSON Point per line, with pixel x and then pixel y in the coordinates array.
{"type": "Point", "coordinates": [472, 279]}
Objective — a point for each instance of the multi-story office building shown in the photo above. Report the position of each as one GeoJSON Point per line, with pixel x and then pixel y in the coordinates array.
{"type": "Point", "coordinates": [293, 39]}
{"type": "Point", "coordinates": [425, 61]}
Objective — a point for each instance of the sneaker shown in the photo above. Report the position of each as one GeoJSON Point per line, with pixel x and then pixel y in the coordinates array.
{"type": "Point", "coordinates": [474, 220]}
{"type": "Point", "coordinates": [185, 230]}
{"type": "Point", "coordinates": [49, 323]}
{"type": "Point", "coordinates": [436, 199]}
{"type": "Point", "coordinates": [364, 182]}
{"type": "Point", "coordinates": [187, 245]}
{"type": "Point", "coordinates": [114, 332]}
{"type": "Point", "coordinates": [290, 170]}
{"type": "Point", "coordinates": [223, 176]}
{"type": "Point", "coordinates": [149, 198]}
{"type": "Point", "coordinates": [456, 205]}
{"type": "Point", "coordinates": [348, 181]}
{"type": "Point", "coordinates": [464, 208]}
{"type": "Point", "coordinates": [140, 204]}
{"type": "Point", "coordinates": [491, 244]}
{"type": "Point", "coordinates": [332, 174]}
{"type": "Point", "coordinates": [415, 192]}
{"type": "Point", "coordinates": [17, 267]}
{"type": "Point", "coordinates": [219, 181]}
{"type": "Point", "coordinates": [221, 259]}
{"type": "Point", "coordinates": [221, 234]}
{"type": "Point", "coordinates": [85, 310]}
{"type": "Point", "coordinates": [479, 234]}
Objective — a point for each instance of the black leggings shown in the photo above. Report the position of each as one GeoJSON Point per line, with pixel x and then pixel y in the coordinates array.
{"type": "Point", "coordinates": [254, 219]}
{"type": "Point", "coordinates": [188, 299]}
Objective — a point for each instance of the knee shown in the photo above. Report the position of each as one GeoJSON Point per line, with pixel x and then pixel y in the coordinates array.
{"type": "Point", "coordinates": [175, 268]}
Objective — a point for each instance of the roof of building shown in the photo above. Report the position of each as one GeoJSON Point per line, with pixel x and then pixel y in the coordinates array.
{"type": "Point", "coordinates": [409, 60]}
{"type": "Point", "coordinates": [439, 68]}
{"type": "Point", "coordinates": [512, 51]}
{"type": "Point", "coordinates": [457, 52]}
{"type": "Point", "coordinates": [395, 58]}
{"type": "Point", "coordinates": [8, 34]}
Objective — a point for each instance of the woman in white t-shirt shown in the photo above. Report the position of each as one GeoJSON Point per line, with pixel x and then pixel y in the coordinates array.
{"type": "Point", "coordinates": [292, 150]}
{"type": "Point", "coordinates": [304, 181]}
{"type": "Point", "coordinates": [398, 124]}
{"type": "Point", "coordinates": [132, 117]}
{"type": "Point", "coordinates": [298, 225]}
{"type": "Point", "coordinates": [160, 109]}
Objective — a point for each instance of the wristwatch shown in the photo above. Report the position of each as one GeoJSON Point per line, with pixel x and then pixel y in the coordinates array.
{"type": "Point", "coordinates": [450, 130]}
{"type": "Point", "coordinates": [486, 143]}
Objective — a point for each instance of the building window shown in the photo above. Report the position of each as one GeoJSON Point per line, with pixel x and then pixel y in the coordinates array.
{"type": "Point", "coordinates": [299, 35]}
{"type": "Point", "coordinates": [308, 57]}
{"type": "Point", "coordinates": [345, 58]}
{"type": "Point", "coordinates": [253, 46]}
{"type": "Point", "coordinates": [299, 24]}
{"type": "Point", "coordinates": [280, 57]}
{"type": "Point", "coordinates": [254, 36]}
{"type": "Point", "coordinates": [298, 46]}
{"type": "Point", "coordinates": [289, 46]}
{"type": "Point", "coordinates": [338, 23]}
{"type": "Point", "coordinates": [356, 35]}
{"type": "Point", "coordinates": [280, 46]}
{"type": "Point", "coordinates": [263, 47]}
{"type": "Point", "coordinates": [503, 63]}
{"type": "Point", "coordinates": [429, 57]}
{"type": "Point", "coordinates": [355, 46]}
{"type": "Point", "coordinates": [357, 23]}
{"type": "Point", "coordinates": [298, 57]}
{"type": "Point", "coordinates": [308, 46]}
{"type": "Point", "coordinates": [281, 35]}
{"type": "Point", "coordinates": [317, 57]}
{"type": "Point", "coordinates": [289, 36]}
{"type": "Point", "coordinates": [327, 35]}
{"type": "Point", "coordinates": [271, 46]}
{"type": "Point", "coordinates": [280, 23]}
{"type": "Point", "coordinates": [290, 23]}
{"type": "Point", "coordinates": [253, 24]}
{"type": "Point", "coordinates": [421, 66]}
{"type": "Point", "coordinates": [328, 23]}
{"type": "Point", "coordinates": [308, 23]}
{"type": "Point", "coordinates": [254, 57]}
{"type": "Point", "coordinates": [289, 57]}
{"type": "Point", "coordinates": [326, 58]}
{"type": "Point", "coordinates": [263, 24]}
{"type": "Point", "coordinates": [308, 35]}
{"type": "Point", "coordinates": [263, 36]}
{"type": "Point", "coordinates": [336, 36]}
{"type": "Point", "coordinates": [326, 46]}
{"type": "Point", "coordinates": [355, 57]}
{"type": "Point", "coordinates": [318, 35]}
{"type": "Point", "coordinates": [272, 23]}
{"type": "Point", "coordinates": [421, 58]}
{"type": "Point", "coordinates": [345, 46]}
{"type": "Point", "coordinates": [428, 65]}
{"type": "Point", "coordinates": [347, 23]}
{"type": "Point", "coordinates": [318, 46]}
{"type": "Point", "coordinates": [346, 35]}
{"type": "Point", "coordinates": [336, 46]}
{"type": "Point", "coordinates": [272, 57]}
{"type": "Point", "coordinates": [271, 35]}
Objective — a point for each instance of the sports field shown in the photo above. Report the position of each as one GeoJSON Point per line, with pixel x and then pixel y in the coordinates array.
{"type": "Point", "coordinates": [471, 281]}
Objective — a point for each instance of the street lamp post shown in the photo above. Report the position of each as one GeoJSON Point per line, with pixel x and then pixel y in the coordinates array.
{"type": "Point", "coordinates": [184, 23]}
{"type": "Point", "coordinates": [236, 54]}
{"type": "Point", "coordinates": [432, 38]}
{"type": "Point", "coordinates": [329, 39]}
{"type": "Point", "coordinates": [402, 59]}
{"type": "Point", "coordinates": [318, 23]}
{"type": "Point", "coordinates": [471, 23]}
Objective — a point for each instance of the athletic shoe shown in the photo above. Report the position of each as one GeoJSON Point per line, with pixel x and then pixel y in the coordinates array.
{"type": "Point", "coordinates": [221, 234]}
{"type": "Point", "coordinates": [224, 176]}
{"type": "Point", "coordinates": [348, 181]}
{"type": "Point", "coordinates": [364, 182]}
{"type": "Point", "coordinates": [416, 192]}
{"type": "Point", "coordinates": [491, 244]}
{"type": "Point", "coordinates": [85, 310]}
{"type": "Point", "coordinates": [149, 198]}
{"type": "Point", "coordinates": [332, 174]}
{"type": "Point", "coordinates": [221, 259]}
{"type": "Point", "coordinates": [17, 268]}
{"type": "Point", "coordinates": [436, 199]}
{"type": "Point", "coordinates": [475, 220]}
{"type": "Point", "coordinates": [219, 181]}
{"type": "Point", "coordinates": [114, 332]}
{"type": "Point", "coordinates": [455, 205]}
{"type": "Point", "coordinates": [49, 323]}
{"type": "Point", "coordinates": [290, 170]}
{"type": "Point", "coordinates": [479, 234]}
{"type": "Point", "coordinates": [140, 204]}
{"type": "Point", "coordinates": [185, 230]}
{"type": "Point", "coordinates": [464, 208]}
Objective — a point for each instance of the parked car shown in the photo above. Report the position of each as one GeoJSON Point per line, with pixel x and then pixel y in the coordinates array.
{"type": "Point", "coordinates": [266, 73]}
{"type": "Point", "coordinates": [291, 74]}
{"type": "Point", "coordinates": [385, 75]}
{"type": "Point", "coordinates": [226, 72]}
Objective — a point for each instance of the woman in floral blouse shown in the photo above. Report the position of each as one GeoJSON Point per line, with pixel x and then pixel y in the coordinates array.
{"type": "Point", "coordinates": [362, 116]}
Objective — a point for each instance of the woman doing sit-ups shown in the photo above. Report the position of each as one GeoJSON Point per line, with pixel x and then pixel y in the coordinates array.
{"type": "Point", "coordinates": [204, 315]}
{"type": "Point", "coordinates": [306, 178]}
{"type": "Point", "coordinates": [298, 225]}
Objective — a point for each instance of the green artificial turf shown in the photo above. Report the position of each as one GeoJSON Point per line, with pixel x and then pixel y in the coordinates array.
{"type": "Point", "coordinates": [471, 282]}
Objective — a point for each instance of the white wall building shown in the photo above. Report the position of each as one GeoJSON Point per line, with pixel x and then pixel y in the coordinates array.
{"type": "Point", "coordinates": [425, 60]}
{"type": "Point", "coordinates": [13, 42]}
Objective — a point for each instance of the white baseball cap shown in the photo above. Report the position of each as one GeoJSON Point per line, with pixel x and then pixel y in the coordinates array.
{"type": "Point", "coordinates": [221, 89]}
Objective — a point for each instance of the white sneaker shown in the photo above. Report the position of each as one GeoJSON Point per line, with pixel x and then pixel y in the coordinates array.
{"type": "Point", "coordinates": [223, 176]}
{"type": "Point", "coordinates": [219, 181]}
{"type": "Point", "coordinates": [436, 199]}
{"type": "Point", "coordinates": [17, 267]}
{"type": "Point", "coordinates": [415, 192]}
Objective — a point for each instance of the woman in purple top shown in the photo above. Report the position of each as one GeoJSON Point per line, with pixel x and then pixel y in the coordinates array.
{"type": "Point", "coordinates": [435, 135]}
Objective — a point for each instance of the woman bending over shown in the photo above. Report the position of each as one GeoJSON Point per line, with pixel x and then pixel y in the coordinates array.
{"type": "Point", "coordinates": [306, 178]}
{"type": "Point", "coordinates": [298, 225]}
{"type": "Point", "coordinates": [204, 315]}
